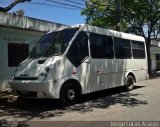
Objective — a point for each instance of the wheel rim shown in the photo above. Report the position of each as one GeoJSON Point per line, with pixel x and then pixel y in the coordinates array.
{"type": "Point", "coordinates": [71, 94]}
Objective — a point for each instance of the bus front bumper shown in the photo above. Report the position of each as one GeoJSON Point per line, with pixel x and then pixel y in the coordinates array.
{"type": "Point", "coordinates": [34, 89]}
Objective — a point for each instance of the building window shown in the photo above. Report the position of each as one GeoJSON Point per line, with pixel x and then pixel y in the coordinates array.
{"type": "Point", "coordinates": [17, 52]}
{"type": "Point", "coordinates": [101, 46]}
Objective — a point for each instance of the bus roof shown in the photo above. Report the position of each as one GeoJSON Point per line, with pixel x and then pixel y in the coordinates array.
{"type": "Point", "coordinates": [103, 31]}
{"type": "Point", "coordinates": [112, 33]}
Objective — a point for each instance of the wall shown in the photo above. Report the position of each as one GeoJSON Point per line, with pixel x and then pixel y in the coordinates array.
{"type": "Point", "coordinates": [23, 22]}
{"type": "Point", "coordinates": [13, 35]}
{"type": "Point", "coordinates": [154, 49]}
{"type": "Point", "coordinates": [154, 62]}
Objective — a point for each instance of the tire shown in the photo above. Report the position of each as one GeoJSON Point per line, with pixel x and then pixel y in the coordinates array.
{"type": "Point", "coordinates": [69, 94]}
{"type": "Point", "coordinates": [129, 83]}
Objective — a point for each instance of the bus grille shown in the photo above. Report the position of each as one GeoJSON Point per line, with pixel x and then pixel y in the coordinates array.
{"type": "Point", "coordinates": [25, 78]}
{"type": "Point", "coordinates": [27, 94]}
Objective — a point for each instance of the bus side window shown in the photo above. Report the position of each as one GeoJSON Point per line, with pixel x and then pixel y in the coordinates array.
{"type": "Point", "coordinates": [78, 50]}
{"type": "Point", "coordinates": [122, 48]}
{"type": "Point", "coordinates": [138, 50]}
{"type": "Point", "coordinates": [101, 46]}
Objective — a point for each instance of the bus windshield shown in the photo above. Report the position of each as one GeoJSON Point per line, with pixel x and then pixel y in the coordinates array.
{"type": "Point", "coordinates": [54, 43]}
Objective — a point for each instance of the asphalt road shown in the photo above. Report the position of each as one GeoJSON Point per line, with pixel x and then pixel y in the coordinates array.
{"type": "Point", "coordinates": [141, 104]}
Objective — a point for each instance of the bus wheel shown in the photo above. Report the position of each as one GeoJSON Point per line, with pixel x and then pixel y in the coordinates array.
{"type": "Point", "coordinates": [129, 83]}
{"type": "Point", "coordinates": [69, 94]}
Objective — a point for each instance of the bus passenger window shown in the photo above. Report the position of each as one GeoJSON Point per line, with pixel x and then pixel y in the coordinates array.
{"type": "Point", "coordinates": [122, 48]}
{"type": "Point", "coordinates": [78, 50]}
{"type": "Point", "coordinates": [101, 46]}
{"type": "Point", "coordinates": [138, 50]}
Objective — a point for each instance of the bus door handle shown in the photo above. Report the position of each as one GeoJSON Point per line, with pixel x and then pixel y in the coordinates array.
{"type": "Point", "coordinates": [87, 62]}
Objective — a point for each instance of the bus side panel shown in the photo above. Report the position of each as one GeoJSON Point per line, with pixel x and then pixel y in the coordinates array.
{"type": "Point", "coordinates": [107, 73]}
{"type": "Point", "coordinates": [138, 67]}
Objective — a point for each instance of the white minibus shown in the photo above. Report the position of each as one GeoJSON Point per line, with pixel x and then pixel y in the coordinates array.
{"type": "Point", "coordinates": [80, 59]}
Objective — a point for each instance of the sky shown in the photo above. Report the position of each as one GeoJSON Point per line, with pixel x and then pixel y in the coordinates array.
{"type": "Point", "coordinates": [48, 10]}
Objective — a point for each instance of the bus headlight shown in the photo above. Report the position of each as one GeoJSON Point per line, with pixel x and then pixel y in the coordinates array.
{"type": "Point", "coordinates": [44, 74]}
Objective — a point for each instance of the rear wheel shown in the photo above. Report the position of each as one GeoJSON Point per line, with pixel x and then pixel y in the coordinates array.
{"type": "Point", "coordinates": [69, 94]}
{"type": "Point", "coordinates": [129, 83]}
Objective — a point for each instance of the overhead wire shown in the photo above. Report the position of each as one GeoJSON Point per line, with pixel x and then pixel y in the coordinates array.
{"type": "Point", "coordinates": [74, 2]}
{"type": "Point", "coordinates": [69, 5]}
{"type": "Point", "coordinates": [65, 4]}
{"type": "Point", "coordinates": [53, 5]}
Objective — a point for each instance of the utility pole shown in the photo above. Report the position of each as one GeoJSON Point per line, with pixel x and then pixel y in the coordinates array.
{"type": "Point", "coordinates": [118, 15]}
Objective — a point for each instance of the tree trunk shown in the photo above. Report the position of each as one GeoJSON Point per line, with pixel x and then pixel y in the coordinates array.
{"type": "Point", "coordinates": [14, 3]}
{"type": "Point", "coordinates": [148, 42]}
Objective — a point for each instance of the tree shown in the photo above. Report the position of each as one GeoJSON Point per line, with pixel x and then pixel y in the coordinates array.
{"type": "Point", "coordinates": [102, 13]}
{"type": "Point", "coordinates": [134, 15]}
{"type": "Point", "coordinates": [99, 13]}
{"type": "Point", "coordinates": [14, 3]}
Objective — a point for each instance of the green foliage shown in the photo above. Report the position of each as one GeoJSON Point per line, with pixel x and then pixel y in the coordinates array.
{"type": "Point", "coordinates": [142, 12]}
{"type": "Point", "coordinates": [99, 14]}
{"type": "Point", "coordinates": [134, 15]}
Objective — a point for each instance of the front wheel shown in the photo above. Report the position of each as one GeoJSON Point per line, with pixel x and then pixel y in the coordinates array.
{"type": "Point", "coordinates": [129, 83]}
{"type": "Point", "coordinates": [69, 94]}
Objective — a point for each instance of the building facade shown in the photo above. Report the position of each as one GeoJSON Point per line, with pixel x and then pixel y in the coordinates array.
{"type": "Point", "coordinates": [18, 35]}
{"type": "Point", "coordinates": [155, 55]}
